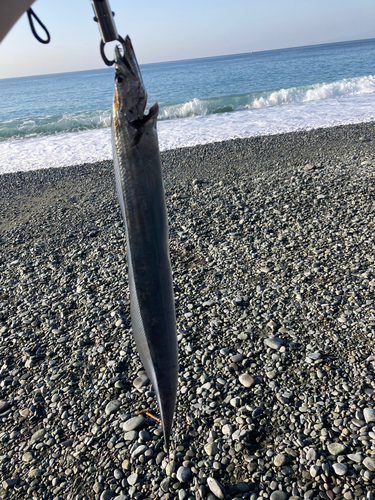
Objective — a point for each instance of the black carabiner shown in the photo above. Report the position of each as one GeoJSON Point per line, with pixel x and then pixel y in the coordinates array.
{"type": "Point", "coordinates": [104, 57]}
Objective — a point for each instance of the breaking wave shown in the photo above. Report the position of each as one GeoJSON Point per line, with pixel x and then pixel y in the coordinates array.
{"type": "Point", "coordinates": [265, 99]}
{"type": "Point", "coordinates": [32, 126]}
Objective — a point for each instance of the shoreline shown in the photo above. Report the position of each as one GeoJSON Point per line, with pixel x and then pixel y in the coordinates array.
{"type": "Point", "coordinates": [60, 150]}
{"type": "Point", "coordinates": [271, 237]}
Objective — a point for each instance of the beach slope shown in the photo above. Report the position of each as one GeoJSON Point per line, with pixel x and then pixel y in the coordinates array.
{"type": "Point", "coordinates": [272, 248]}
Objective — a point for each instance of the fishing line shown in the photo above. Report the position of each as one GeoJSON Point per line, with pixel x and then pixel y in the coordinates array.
{"type": "Point", "coordinates": [30, 15]}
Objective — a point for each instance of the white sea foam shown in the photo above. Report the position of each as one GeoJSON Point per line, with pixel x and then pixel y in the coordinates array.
{"type": "Point", "coordinates": [75, 148]}
{"type": "Point", "coordinates": [346, 87]}
{"type": "Point", "coordinates": [265, 99]}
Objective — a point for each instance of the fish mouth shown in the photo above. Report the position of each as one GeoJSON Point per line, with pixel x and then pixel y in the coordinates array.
{"type": "Point", "coordinates": [128, 81]}
{"type": "Point", "coordinates": [127, 60]}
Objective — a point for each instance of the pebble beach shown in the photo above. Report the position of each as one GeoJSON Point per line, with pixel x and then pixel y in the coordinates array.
{"type": "Point", "coordinates": [272, 243]}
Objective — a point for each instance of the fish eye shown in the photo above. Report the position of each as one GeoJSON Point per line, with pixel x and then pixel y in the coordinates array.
{"type": "Point", "coordinates": [120, 79]}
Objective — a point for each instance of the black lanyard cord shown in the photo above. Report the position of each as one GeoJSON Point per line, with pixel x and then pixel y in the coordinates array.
{"type": "Point", "coordinates": [30, 15]}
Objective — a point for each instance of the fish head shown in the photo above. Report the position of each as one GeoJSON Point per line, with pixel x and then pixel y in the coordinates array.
{"type": "Point", "coordinates": [130, 94]}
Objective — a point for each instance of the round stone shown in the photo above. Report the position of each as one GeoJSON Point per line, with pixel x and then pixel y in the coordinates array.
{"type": "Point", "coordinates": [211, 449]}
{"type": "Point", "coordinates": [131, 436]}
{"type": "Point", "coordinates": [139, 450]}
{"type": "Point", "coordinates": [278, 495]}
{"type": "Point", "coordinates": [107, 495]}
{"type": "Point", "coordinates": [308, 167]}
{"type": "Point", "coordinates": [237, 358]}
{"type": "Point", "coordinates": [355, 457]}
{"type": "Point", "coordinates": [227, 430]}
{"type": "Point", "coordinates": [118, 474]}
{"type": "Point", "coordinates": [340, 469]}
{"type": "Point", "coordinates": [369, 415]}
{"type": "Point", "coordinates": [35, 472]}
{"type": "Point", "coordinates": [314, 470]}
{"type": "Point", "coordinates": [336, 448]}
{"type": "Point", "coordinates": [164, 485]}
{"type": "Point", "coordinates": [27, 457]}
{"type": "Point", "coordinates": [141, 381]}
{"type": "Point", "coordinates": [311, 454]}
{"type": "Point", "coordinates": [279, 460]}
{"type": "Point", "coordinates": [182, 494]}
{"type": "Point", "coordinates": [183, 474]}
{"type": "Point", "coordinates": [235, 402]}
{"type": "Point", "coordinates": [133, 423]}
{"type": "Point", "coordinates": [246, 380]}
{"type": "Point", "coordinates": [38, 435]}
{"type": "Point", "coordinates": [242, 487]}
{"type": "Point", "coordinates": [132, 479]}
{"type": "Point", "coordinates": [369, 463]}
{"type": "Point", "coordinates": [274, 342]}
{"type": "Point", "coordinates": [4, 405]}
{"type": "Point", "coordinates": [112, 407]}
{"type": "Point", "coordinates": [216, 488]}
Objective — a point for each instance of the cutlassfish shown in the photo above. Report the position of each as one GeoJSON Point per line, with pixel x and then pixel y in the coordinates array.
{"type": "Point", "coordinates": [140, 193]}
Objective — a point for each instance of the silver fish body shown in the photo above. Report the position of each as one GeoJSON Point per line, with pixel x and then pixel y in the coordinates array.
{"type": "Point", "coordinates": [140, 192]}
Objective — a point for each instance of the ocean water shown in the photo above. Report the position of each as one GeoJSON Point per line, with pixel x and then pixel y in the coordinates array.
{"type": "Point", "coordinates": [64, 119]}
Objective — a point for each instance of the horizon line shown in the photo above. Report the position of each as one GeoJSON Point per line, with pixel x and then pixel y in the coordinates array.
{"type": "Point", "coordinates": [197, 58]}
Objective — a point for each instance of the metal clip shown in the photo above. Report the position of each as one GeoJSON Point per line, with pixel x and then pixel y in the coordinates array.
{"type": "Point", "coordinates": [104, 18]}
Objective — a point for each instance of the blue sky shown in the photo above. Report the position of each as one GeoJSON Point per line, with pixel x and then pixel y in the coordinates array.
{"type": "Point", "coordinates": [167, 30]}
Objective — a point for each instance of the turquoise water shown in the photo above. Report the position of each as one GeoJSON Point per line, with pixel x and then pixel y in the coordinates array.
{"type": "Point", "coordinates": [70, 102]}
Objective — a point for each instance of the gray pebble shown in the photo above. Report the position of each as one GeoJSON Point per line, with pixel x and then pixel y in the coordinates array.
{"type": "Point", "coordinates": [182, 494]}
{"type": "Point", "coordinates": [278, 495]}
{"type": "Point", "coordinates": [369, 463]}
{"type": "Point", "coordinates": [107, 495]}
{"type": "Point", "coordinates": [139, 450]}
{"type": "Point", "coordinates": [340, 469]}
{"type": "Point", "coordinates": [274, 342]}
{"type": "Point", "coordinates": [314, 470]}
{"type": "Point", "coordinates": [336, 448]}
{"type": "Point", "coordinates": [35, 472]}
{"type": "Point", "coordinates": [369, 415]}
{"type": "Point", "coordinates": [211, 449]}
{"type": "Point", "coordinates": [216, 488]}
{"type": "Point", "coordinates": [227, 430]}
{"type": "Point", "coordinates": [4, 405]}
{"type": "Point", "coordinates": [132, 479]}
{"type": "Point", "coordinates": [355, 457]}
{"type": "Point", "coordinates": [279, 460]}
{"type": "Point", "coordinates": [118, 474]}
{"type": "Point", "coordinates": [164, 485]}
{"type": "Point", "coordinates": [311, 454]}
{"type": "Point", "coordinates": [8, 483]}
{"type": "Point", "coordinates": [237, 358]}
{"type": "Point", "coordinates": [112, 407]}
{"type": "Point", "coordinates": [133, 423]}
{"type": "Point", "coordinates": [38, 435]}
{"type": "Point", "coordinates": [27, 457]}
{"type": "Point", "coordinates": [140, 381]}
{"type": "Point", "coordinates": [246, 380]}
{"type": "Point", "coordinates": [183, 474]}
{"type": "Point", "coordinates": [131, 436]}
